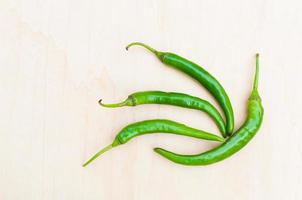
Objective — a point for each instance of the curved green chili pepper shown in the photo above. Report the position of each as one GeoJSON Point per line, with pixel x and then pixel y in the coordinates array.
{"type": "Point", "coordinates": [202, 76]}
{"type": "Point", "coordinates": [155, 126]}
{"type": "Point", "coordinates": [237, 141]}
{"type": "Point", "coordinates": [172, 98]}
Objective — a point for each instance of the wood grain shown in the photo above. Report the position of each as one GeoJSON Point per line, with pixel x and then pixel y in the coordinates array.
{"type": "Point", "coordinates": [58, 58]}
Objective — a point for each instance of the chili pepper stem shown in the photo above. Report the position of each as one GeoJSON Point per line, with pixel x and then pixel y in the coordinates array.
{"type": "Point", "coordinates": [255, 87]}
{"type": "Point", "coordinates": [157, 53]}
{"type": "Point", "coordinates": [107, 148]}
{"type": "Point", "coordinates": [254, 94]}
{"type": "Point", "coordinates": [114, 105]}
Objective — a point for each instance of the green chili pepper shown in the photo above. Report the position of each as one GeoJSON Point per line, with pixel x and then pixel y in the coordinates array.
{"type": "Point", "coordinates": [154, 126]}
{"type": "Point", "coordinates": [234, 143]}
{"type": "Point", "coordinates": [172, 98]}
{"type": "Point", "coordinates": [202, 76]}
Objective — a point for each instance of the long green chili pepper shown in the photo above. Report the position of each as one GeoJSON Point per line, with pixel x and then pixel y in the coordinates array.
{"type": "Point", "coordinates": [234, 143]}
{"type": "Point", "coordinates": [199, 74]}
{"type": "Point", "coordinates": [172, 98]}
{"type": "Point", "coordinates": [155, 126]}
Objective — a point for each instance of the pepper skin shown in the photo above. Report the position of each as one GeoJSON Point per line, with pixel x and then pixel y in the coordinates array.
{"type": "Point", "coordinates": [234, 143]}
{"type": "Point", "coordinates": [202, 76]}
{"type": "Point", "coordinates": [155, 126]}
{"type": "Point", "coordinates": [175, 99]}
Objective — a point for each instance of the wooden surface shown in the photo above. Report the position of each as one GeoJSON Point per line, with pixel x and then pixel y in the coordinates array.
{"type": "Point", "coordinates": [58, 58]}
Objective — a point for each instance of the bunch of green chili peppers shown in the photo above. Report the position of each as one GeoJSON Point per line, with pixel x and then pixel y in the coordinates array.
{"type": "Point", "coordinates": [231, 142]}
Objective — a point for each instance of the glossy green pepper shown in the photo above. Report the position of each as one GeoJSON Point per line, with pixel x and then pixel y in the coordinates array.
{"type": "Point", "coordinates": [172, 98]}
{"type": "Point", "coordinates": [155, 126]}
{"type": "Point", "coordinates": [199, 74]}
{"type": "Point", "coordinates": [234, 143]}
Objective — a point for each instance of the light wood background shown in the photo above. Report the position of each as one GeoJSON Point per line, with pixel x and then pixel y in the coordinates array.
{"type": "Point", "coordinates": [58, 58]}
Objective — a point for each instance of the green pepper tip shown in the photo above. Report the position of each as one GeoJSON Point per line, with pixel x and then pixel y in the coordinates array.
{"type": "Point", "coordinates": [220, 139]}
{"type": "Point", "coordinates": [159, 150]}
